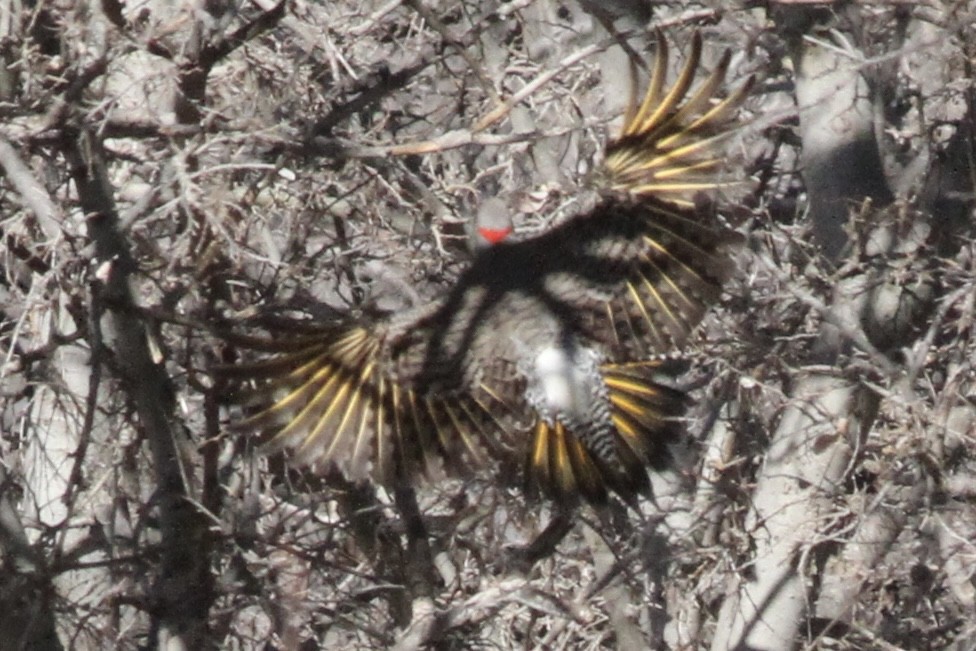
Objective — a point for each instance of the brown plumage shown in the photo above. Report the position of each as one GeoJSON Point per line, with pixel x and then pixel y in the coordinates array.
{"type": "Point", "coordinates": [543, 348]}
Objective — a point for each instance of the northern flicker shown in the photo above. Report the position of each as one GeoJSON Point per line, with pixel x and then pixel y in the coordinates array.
{"type": "Point", "coordinates": [543, 349]}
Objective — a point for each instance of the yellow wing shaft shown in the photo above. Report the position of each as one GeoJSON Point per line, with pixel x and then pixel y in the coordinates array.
{"type": "Point", "coordinates": [327, 399]}
{"type": "Point", "coordinates": [667, 146]}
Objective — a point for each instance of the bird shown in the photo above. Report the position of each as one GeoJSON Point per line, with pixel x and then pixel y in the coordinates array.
{"type": "Point", "coordinates": [548, 352]}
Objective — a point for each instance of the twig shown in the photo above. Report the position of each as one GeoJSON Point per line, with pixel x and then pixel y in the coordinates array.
{"type": "Point", "coordinates": [30, 190]}
{"type": "Point", "coordinates": [339, 148]}
{"type": "Point", "coordinates": [460, 46]}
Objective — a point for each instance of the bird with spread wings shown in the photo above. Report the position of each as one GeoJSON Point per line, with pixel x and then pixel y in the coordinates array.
{"type": "Point", "coordinates": [546, 350]}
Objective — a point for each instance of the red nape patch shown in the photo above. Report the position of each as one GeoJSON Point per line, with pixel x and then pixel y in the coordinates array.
{"type": "Point", "coordinates": [494, 235]}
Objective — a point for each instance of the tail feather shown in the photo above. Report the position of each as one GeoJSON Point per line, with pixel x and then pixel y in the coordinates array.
{"type": "Point", "coordinates": [665, 147]}
{"type": "Point", "coordinates": [644, 413]}
{"type": "Point", "coordinates": [560, 466]}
